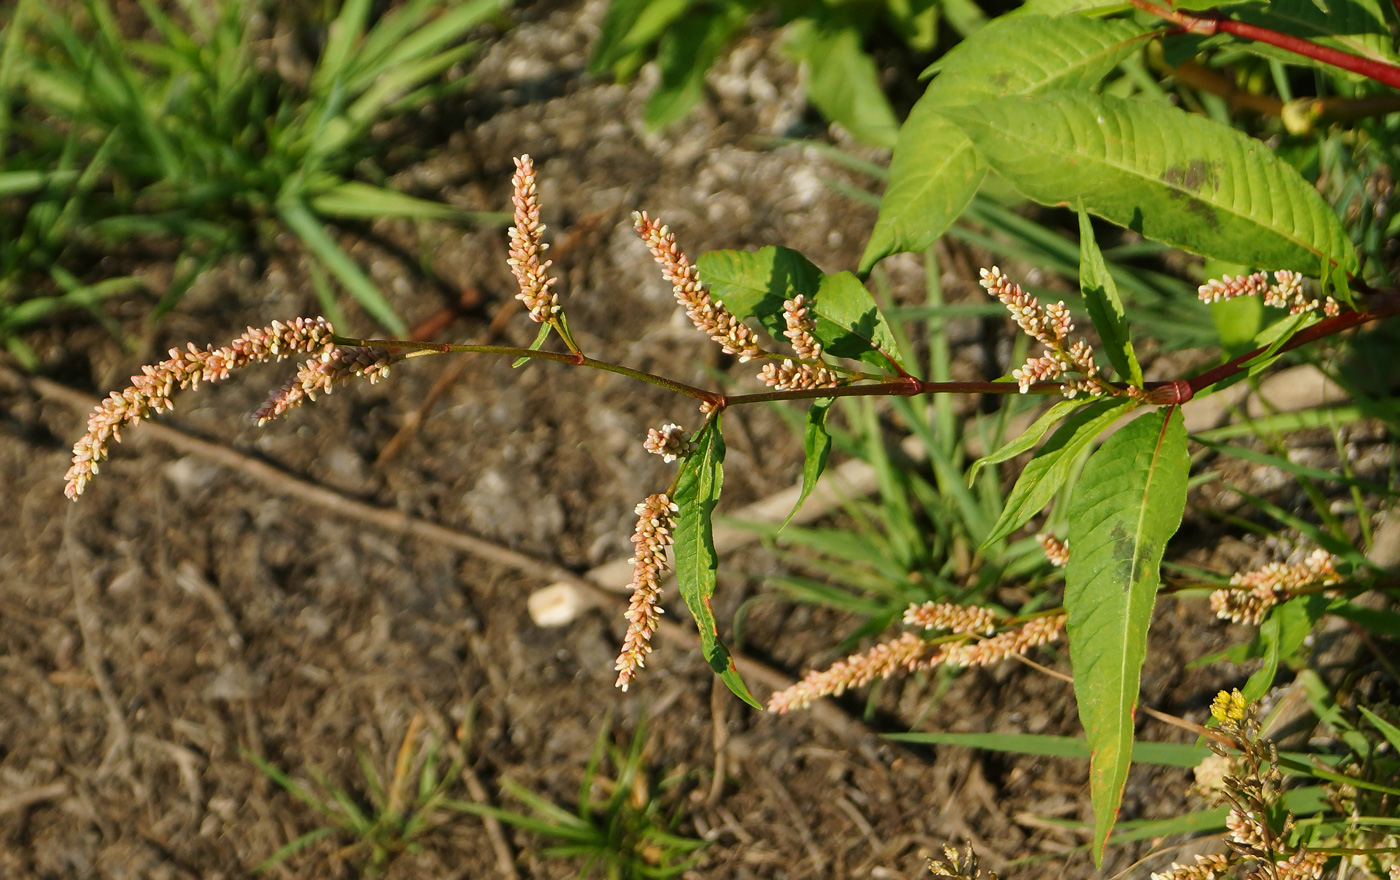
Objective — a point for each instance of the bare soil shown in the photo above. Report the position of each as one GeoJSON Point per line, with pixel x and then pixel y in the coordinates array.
{"type": "Point", "coordinates": [183, 612]}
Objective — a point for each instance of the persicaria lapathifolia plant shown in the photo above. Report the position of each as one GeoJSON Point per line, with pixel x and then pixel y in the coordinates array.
{"type": "Point", "coordinates": [822, 337]}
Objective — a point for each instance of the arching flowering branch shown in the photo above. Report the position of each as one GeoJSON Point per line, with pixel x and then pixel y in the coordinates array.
{"type": "Point", "coordinates": [968, 635]}
{"type": "Point", "coordinates": [150, 392]}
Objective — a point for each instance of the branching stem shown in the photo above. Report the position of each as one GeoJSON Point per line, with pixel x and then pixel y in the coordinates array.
{"type": "Point", "coordinates": [1381, 304]}
{"type": "Point", "coordinates": [1206, 25]}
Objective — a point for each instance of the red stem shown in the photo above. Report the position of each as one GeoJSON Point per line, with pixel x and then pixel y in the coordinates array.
{"type": "Point", "coordinates": [1389, 74]}
{"type": "Point", "coordinates": [1382, 305]}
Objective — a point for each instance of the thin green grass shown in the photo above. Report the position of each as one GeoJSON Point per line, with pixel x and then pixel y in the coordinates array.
{"type": "Point", "coordinates": [189, 138]}
{"type": "Point", "coordinates": [618, 826]}
{"type": "Point", "coordinates": [394, 817]}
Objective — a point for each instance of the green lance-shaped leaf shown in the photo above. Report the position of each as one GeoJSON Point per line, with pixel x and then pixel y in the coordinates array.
{"type": "Point", "coordinates": [754, 284]}
{"type": "Point", "coordinates": [1105, 308]}
{"type": "Point", "coordinates": [1172, 176]}
{"type": "Point", "coordinates": [1126, 505]}
{"type": "Point", "coordinates": [1047, 472]}
{"type": "Point", "coordinates": [1282, 633]}
{"type": "Point", "coordinates": [1029, 438]}
{"type": "Point", "coordinates": [816, 442]}
{"type": "Point", "coordinates": [697, 493]}
{"type": "Point", "coordinates": [850, 324]}
{"type": "Point", "coordinates": [936, 170]}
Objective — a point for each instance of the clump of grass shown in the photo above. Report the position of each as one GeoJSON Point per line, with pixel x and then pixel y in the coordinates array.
{"type": "Point", "coordinates": [415, 802]}
{"type": "Point", "coordinates": [189, 136]}
{"type": "Point", "coordinates": [619, 825]}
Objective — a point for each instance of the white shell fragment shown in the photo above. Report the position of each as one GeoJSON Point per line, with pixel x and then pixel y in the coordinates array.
{"type": "Point", "coordinates": [555, 605]}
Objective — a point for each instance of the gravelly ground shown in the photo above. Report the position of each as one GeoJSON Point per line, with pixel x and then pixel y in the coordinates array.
{"type": "Point", "coordinates": [182, 612]}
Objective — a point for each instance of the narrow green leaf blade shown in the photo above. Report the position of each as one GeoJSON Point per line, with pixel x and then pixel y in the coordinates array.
{"type": "Point", "coordinates": [1172, 176]}
{"type": "Point", "coordinates": [1388, 730]}
{"type": "Point", "coordinates": [1105, 308]}
{"type": "Point", "coordinates": [1028, 438]}
{"type": "Point", "coordinates": [816, 442]}
{"type": "Point", "coordinates": [697, 493]}
{"type": "Point", "coordinates": [688, 48]}
{"type": "Point", "coordinates": [1052, 746]}
{"type": "Point", "coordinates": [1048, 471]}
{"type": "Point", "coordinates": [1126, 506]}
{"type": "Point", "coordinates": [1282, 633]}
{"type": "Point", "coordinates": [355, 200]}
{"type": "Point", "coordinates": [301, 221]}
{"type": "Point", "coordinates": [934, 173]}
{"type": "Point", "coordinates": [540, 337]}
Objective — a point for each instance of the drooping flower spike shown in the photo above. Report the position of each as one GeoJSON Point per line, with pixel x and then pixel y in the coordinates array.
{"type": "Point", "coordinates": [150, 392]}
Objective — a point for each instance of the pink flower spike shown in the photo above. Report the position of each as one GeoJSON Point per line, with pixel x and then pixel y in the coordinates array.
{"type": "Point", "coordinates": [655, 516]}
{"type": "Point", "coordinates": [150, 392]}
{"type": "Point", "coordinates": [318, 375]}
{"type": "Point", "coordinates": [705, 312]}
{"type": "Point", "coordinates": [527, 247]}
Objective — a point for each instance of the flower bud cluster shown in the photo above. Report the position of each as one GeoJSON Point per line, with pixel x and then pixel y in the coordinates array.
{"type": "Point", "coordinates": [655, 517]}
{"type": "Point", "coordinates": [1252, 593]}
{"type": "Point", "coordinates": [669, 442]}
{"type": "Point", "coordinates": [1215, 866]}
{"type": "Point", "coordinates": [1050, 326]}
{"type": "Point", "coordinates": [318, 375]}
{"type": "Point", "coordinates": [797, 317]}
{"type": "Point", "coordinates": [1013, 642]}
{"type": "Point", "coordinates": [972, 619]}
{"type": "Point", "coordinates": [705, 312]}
{"type": "Point", "coordinates": [1056, 551]}
{"type": "Point", "coordinates": [793, 376]}
{"type": "Point", "coordinates": [908, 652]}
{"type": "Point", "coordinates": [527, 246]}
{"type": "Point", "coordinates": [1286, 292]}
{"type": "Point", "coordinates": [150, 392]}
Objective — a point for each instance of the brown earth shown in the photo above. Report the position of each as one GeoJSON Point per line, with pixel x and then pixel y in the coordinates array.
{"type": "Point", "coordinates": [184, 610]}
